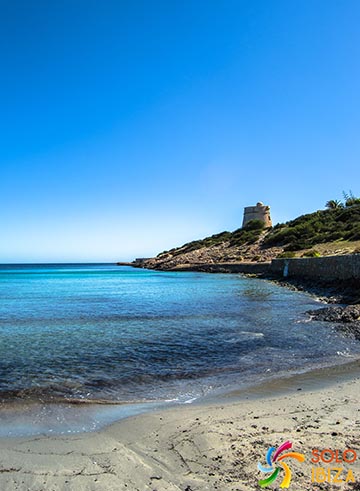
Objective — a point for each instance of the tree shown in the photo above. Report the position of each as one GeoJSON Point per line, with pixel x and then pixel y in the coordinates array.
{"type": "Point", "coordinates": [350, 199]}
{"type": "Point", "coordinates": [333, 204]}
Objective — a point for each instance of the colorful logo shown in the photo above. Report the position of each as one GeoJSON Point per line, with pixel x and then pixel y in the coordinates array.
{"type": "Point", "coordinates": [275, 461]}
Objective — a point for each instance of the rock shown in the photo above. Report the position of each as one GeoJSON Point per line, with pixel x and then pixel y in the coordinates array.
{"type": "Point", "coordinates": [328, 314]}
{"type": "Point", "coordinates": [346, 314]}
{"type": "Point", "coordinates": [351, 313]}
{"type": "Point", "coordinates": [347, 318]}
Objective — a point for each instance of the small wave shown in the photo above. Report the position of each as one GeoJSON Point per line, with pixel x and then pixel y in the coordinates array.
{"type": "Point", "coordinates": [189, 401]}
{"type": "Point", "coordinates": [44, 396]}
{"type": "Point", "coordinates": [345, 354]}
{"type": "Point", "coordinates": [305, 321]}
{"type": "Point", "coordinates": [244, 334]}
{"type": "Point", "coordinates": [251, 334]}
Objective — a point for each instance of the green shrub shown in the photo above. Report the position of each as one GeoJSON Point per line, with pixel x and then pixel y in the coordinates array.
{"type": "Point", "coordinates": [312, 253]}
{"type": "Point", "coordinates": [254, 225]}
{"type": "Point", "coordinates": [243, 236]}
{"type": "Point", "coordinates": [286, 255]}
{"type": "Point", "coordinates": [297, 245]}
{"type": "Point", "coordinates": [352, 201]}
{"type": "Point", "coordinates": [355, 233]}
{"type": "Point", "coordinates": [316, 228]}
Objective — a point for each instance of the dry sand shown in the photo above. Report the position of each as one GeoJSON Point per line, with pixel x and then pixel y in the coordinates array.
{"type": "Point", "coordinates": [194, 447]}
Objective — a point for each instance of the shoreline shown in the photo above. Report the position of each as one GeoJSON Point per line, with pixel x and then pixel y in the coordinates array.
{"type": "Point", "coordinates": [331, 290]}
{"type": "Point", "coordinates": [335, 279]}
{"type": "Point", "coordinates": [55, 417]}
{"type": "Point", "coordinates": [212, 445]}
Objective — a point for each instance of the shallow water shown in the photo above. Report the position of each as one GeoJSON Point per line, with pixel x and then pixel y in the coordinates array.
{"type": "Point", "coordinates": [122, 334]}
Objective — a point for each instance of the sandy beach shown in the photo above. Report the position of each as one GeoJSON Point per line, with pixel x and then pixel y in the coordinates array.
{"type": "Point", "coordinates": [200, 447]}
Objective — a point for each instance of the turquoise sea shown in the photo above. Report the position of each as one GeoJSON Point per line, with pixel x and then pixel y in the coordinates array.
{"type": "Point", "coordinates": [99, 331]}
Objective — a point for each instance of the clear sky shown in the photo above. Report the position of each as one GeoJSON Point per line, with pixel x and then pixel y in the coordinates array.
{"type": "Point", "coordinates": [129, 127]}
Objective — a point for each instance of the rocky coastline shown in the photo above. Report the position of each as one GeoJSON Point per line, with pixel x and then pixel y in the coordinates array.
{"type": "Point", "coordinates": [347, 318]}
{"type": "Point", "coordinates": [330, 292]}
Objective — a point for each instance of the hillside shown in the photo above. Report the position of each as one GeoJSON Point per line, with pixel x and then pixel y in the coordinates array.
{"type": "Point", "coordinates": [324, 232]}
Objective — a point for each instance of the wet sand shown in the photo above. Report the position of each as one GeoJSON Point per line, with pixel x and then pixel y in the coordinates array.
{"type": "Point", "coordinates": [212, 446]}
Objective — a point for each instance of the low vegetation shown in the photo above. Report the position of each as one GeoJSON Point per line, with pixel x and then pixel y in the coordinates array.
{"type": "Point", "coordinates": [286, 255]}
{"type": "Point", "coordinates": [340, 221]}
{"type": "Point", "coordinates": [247, 235]}
{"type": "Point", "coordinates": [312, 253]}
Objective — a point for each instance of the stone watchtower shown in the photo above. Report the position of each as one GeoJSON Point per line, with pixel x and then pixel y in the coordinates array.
{"type": "Point", "coordinates": [258, 212]}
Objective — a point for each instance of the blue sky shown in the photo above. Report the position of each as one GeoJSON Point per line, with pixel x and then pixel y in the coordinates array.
{"type": "Point", "coordinates": [130, 127]}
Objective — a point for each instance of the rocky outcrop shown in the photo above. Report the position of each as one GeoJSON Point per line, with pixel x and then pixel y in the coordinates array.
{"type": "Point", "coordinates": [221, 253]}
{"type": "Point", "coordinates": [350, 313]}
{"type": "Point", "coordinates": [347, 318]}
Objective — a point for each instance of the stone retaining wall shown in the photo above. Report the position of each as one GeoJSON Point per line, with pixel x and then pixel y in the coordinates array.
{"type": "Point", "coordinates": [330, 268]}
{"type": "Point", "coordinates": [245, 268]}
